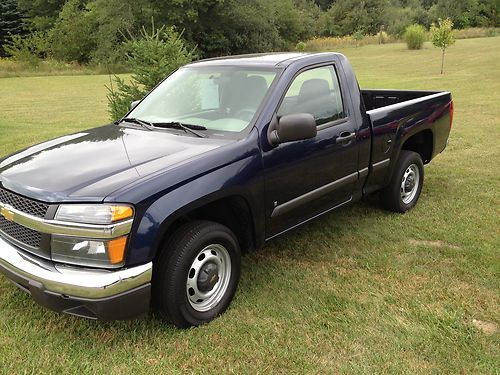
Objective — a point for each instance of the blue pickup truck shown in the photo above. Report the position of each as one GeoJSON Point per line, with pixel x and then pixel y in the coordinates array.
{"type": "Point", "coordinates": [220, 157]}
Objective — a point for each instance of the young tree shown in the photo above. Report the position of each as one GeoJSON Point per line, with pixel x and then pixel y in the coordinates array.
{"type": "Point", "coordinates": [151, 58]}
{"type": "Point", "coordinates": [442, 37]}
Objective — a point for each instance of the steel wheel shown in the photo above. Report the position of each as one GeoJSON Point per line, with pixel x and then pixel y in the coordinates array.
{"type": "Point", "coordinates": [208, 277]}
{"type": "Point", "coordinates": [196, 274]}
{"type": "Point", "coordinates": [410, 183]}
{"type": "Point", "coordinates": [404, 187]}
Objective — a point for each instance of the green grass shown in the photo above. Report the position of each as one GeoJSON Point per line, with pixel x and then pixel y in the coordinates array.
{"type": "Point", "coordinates": [357, 291]}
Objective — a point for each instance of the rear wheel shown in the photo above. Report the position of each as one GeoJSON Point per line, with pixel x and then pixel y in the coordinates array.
{"type": "Point", "coordinates": [196, 274]}
{"type": "Point", "coordinates": [404, 189]}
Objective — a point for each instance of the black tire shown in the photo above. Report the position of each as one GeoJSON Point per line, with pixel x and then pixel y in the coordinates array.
{"type": "Point", "coordinates": [181, 252]}
{"type": "Point", "coordinates": [392, 195]}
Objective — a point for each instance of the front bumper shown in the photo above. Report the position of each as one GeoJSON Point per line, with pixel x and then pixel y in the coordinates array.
{"type": "Point", "coordinates": [89, 293]}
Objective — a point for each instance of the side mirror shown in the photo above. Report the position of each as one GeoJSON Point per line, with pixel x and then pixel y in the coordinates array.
{"type": "Point", "coordinates": [292, 127]}
{"type": "Point", "coordinates": [134, 104]}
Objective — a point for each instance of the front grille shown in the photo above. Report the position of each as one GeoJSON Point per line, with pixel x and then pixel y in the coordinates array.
{"type": "Point", "coordinates": [19, 233]}
{"type": "Point", "coordinates": [23, 204]}
{"type": "Point", "coordinates": [25, 238]}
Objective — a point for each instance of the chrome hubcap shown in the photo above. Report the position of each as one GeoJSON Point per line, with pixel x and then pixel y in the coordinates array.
{"type": "Point", "coordinates": [208, 277]}
{"type": "Point", "coordinates": [410, 183]}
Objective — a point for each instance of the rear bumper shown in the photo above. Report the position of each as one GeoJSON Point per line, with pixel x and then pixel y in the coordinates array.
{"type": "Point", "coordinates": [90, 293]}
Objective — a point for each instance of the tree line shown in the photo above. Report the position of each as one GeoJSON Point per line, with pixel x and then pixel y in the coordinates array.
{"type": "Point", "coordinates": [94, 31]}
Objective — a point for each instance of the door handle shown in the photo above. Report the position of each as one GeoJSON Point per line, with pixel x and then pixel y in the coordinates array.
{"type": "Point", "coordinates": [345, 137]}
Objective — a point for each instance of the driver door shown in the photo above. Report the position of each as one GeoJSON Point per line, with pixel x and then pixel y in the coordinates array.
{"type": "Point", "coordinates": [305, 178]}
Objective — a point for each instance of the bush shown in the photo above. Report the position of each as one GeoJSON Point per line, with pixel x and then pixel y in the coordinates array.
{"type": "Point", "coordinates": [415, 36]}
{"type": "Point", "coordinates": [151, 58]}
{"type": "Point", "coordinates": [300, 46]}
{"type": "Point", "coordinates": [358, 37]}
{"type": "Point", "coordinates": [27, 50]}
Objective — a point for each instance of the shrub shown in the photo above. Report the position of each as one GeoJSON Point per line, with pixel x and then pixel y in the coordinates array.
{"type": "Point", "coordinates": [414, 36]}
{"type": "Point", "coordinates": [300, 46]}
{"type": "Point", "coordinates": [27, 50]}
{"type": "Point", "coordinates": [151, 58]}
{"type": "Point", "coordinates": [358, 37]}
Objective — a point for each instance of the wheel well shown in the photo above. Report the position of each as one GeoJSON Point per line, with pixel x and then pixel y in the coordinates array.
{"type": "Point", "coordinates": [233, 212]}
{"type": "Point", "coordinates": [421, 143]}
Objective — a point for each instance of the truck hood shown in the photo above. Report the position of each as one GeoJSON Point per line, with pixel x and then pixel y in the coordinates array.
{"type": "Point", "coordinates": [90, 165]}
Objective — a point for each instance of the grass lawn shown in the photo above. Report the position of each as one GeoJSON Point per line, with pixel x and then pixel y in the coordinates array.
{"type": "Point", "coordinates": [357, 291]}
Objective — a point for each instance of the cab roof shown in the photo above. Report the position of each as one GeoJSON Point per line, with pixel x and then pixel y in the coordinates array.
{"type": "Point", "coordinates": [279, 59]}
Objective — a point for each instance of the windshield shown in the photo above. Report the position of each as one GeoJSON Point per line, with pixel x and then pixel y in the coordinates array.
{"type": "Point", "coordinates": [221, 99]}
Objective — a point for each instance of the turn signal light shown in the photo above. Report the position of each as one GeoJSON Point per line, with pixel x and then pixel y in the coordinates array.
{"type": "Point", "coordinates": [121, 212]}
{"type": "Point", "coordinates": [116, 250]}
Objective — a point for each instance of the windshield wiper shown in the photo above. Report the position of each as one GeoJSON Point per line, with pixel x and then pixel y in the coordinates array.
{"type": "Point", "coordinates": [144, 124]}
{"type": "Point", "coordinates": [188, 128]}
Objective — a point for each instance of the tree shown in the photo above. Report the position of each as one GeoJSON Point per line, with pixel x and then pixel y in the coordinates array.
{"type": "Point", "coordinates": [113, 20]}
{"type": "Point", "coordinates": [346, 17]}
{"type": "Point", "coordinates": [72, 38]}
{"type": "Point", "coordinates": [403, 13]}
{"type": "Point", "coordinates": [442, 37]}
{"type": "Point", "coordinates": [221, 27]}
{"type": "Point", "coordinates": [11, 22]}
{"type": "Point", "coordinates": [151, 58]}
{"type": "Point", "coordinates": [41, 14]}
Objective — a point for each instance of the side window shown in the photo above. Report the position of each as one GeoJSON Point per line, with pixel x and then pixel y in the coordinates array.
{"type": "Point", "coordinates": [317, 92]}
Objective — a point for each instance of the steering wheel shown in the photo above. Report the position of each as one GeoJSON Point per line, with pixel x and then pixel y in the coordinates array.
{"type": "Point", "coordinates": [245, 114]}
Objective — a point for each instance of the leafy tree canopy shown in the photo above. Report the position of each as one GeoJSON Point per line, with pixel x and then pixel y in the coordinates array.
{"type": "Point", "coordinates": [94, 30]}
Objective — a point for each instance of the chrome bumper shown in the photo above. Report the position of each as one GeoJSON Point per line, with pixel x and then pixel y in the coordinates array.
{"type": "Point", "coordinates": [71, 281]}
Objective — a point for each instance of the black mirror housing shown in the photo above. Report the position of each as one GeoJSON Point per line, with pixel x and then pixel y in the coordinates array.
{"type": "Point", "coordinates": [293, 127]}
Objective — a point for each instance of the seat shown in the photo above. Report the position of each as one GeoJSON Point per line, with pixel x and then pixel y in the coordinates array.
{"type": "Point", "coordinates": [255, 88]}
{"type": "Point", "coordinates": [246, 97]}
{"type": "Point", "coordinates": [315, 98]}
{"type": "Point", "coordinates": [313, 89]}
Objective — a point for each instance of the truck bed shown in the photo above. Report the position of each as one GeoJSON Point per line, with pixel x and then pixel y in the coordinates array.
{"type": "Point", "coordinates": [381, 98]}
{"type": "Point", "coordinates": [396, 115]}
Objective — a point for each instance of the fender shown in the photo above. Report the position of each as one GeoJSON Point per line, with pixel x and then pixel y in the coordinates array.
{"type": "Point", "coordinates": [243, 178]}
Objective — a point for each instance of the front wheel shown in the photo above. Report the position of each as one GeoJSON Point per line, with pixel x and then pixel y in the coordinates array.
{"type": "Point", "coordinates": [196, 274]}
{"type": "Point", "coordinates": [405, 186]}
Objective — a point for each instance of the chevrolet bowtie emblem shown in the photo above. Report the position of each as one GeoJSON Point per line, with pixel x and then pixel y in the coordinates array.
{"type": "Point", "coordinates": [6, 213]}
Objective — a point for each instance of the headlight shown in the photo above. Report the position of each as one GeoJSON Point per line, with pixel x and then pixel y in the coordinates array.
{"type": "Point", "coordinates": [89, 252]}
{"type": "Point", "coordinates": [93, 213]}
{"type": "Point", "coordinates": [95, 252]}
